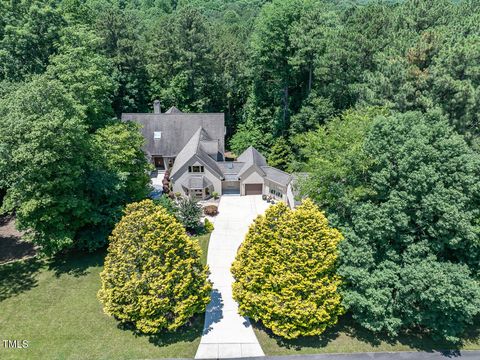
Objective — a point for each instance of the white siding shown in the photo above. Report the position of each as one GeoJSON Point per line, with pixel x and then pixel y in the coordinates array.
{"type": "Point", "coordinates": [271, 185]}
{"type": "Point", "coordinates": [290, 196]}
{"type": "Point", "coordinates": [252, 178]}
{"type": "Point", "coordinates": [217, 183]}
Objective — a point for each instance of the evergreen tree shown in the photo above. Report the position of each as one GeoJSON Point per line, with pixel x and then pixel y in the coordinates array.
{"type": "Point", "coordinates": [181, 62]}
{"type": "Point", "coordinates": [273, 79]}
{"type": "Point", "coordinates": [153, 277]}
{"type": "Point", "coordinates": [280, 154]}
{"type": "Point", "coordinates": [284, 271]}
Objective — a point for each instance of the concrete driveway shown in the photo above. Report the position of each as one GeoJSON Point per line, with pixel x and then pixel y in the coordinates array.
{"type": "Point", "coordinates": [226, 334]}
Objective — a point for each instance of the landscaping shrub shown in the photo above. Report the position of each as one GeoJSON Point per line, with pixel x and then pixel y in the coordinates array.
{"type": "Point", "coordinates": [210, 210]}
{"type": "Point", "coordinates": [153, 277]}
{"type": "Point", "coordinates": [189, 213]}
{"type": "Point", "coordinates": [285, 271]}
{"type": "Point", "coordinates": [208, 226]}
{"type": "Point", "coordinates": [167, 203]}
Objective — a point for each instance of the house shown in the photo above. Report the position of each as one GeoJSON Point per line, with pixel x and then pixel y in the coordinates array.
{"type": "Point", "coordinates": [192, 146]}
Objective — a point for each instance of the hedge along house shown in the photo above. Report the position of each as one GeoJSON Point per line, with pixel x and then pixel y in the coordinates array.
{"type": "Point", "coordinates": [192, 146]}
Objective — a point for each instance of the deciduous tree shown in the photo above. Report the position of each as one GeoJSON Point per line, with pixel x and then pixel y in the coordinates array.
{"type": "Point", "coordinates": [408, 202]}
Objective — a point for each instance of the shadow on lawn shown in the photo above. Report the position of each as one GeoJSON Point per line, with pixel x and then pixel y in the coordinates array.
{"type": "Point", "coordinates": [302, 342]}
{"type": "Point", "coordinates": [419, 341]}
{"type": "Point", "coordinates": [187, 333]}
{"type": "Point", "coordinates": [416, 341]}
{"type": "Point", "coordinates": [76, 263]}
{"type": "Point", "coordinates": [19, 276]}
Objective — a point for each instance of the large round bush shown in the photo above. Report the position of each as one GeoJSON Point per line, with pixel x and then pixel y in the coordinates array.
{"type": "Point", "coordinates": [153, 277]}
{"type": "Point", "coordinates": [285, 271]}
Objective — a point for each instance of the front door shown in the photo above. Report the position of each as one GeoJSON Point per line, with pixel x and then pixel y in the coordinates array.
{"type": "Point", "coordinates": [158, 162]}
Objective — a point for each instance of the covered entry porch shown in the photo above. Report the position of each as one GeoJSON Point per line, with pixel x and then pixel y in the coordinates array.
{"type": "Point", "coordinates": [198, 187]}
{"type": "Point", "coordinates": [162, 162]}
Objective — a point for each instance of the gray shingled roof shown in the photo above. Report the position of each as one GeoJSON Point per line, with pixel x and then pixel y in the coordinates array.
{"type": "Point", "coordinates": [277, 176]}
{"type": "Point", "coordinates": [177, 128]}
{"type": "Point", "coordinates": [230, 167]}
{"type": "Point", "coordinates": [173, 110]}
{"type": "Point", "coordinates": [193, 149]}
{"type": "Point", "coordinates": [251, 155]}
{"type": "Point", "coordinates": [196, 182]}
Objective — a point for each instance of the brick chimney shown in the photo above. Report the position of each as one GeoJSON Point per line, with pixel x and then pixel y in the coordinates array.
{"type": "Point", "coordinates": [157, 109]}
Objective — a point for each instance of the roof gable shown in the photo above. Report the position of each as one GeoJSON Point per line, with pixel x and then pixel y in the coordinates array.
{"type": "Point", "coordinates": [250, 168]}
{"type": "Point", "coordinates": [251, 155]}
{"type": "Point", "coordinates": [194, 150]}
{"type": "Point", "coordinates": [173, 110]}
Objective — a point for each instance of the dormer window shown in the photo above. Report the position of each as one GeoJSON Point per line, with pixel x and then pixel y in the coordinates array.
{"type": "Point", "coordinates": [157, 135]}
{"type": "Point", "coordinates": [196, 169]}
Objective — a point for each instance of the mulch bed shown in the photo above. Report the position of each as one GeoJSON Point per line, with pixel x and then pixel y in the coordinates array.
{"type": "Point", "coordinates": [11, 245]}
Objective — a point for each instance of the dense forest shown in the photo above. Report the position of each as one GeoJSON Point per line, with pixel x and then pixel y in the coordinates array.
{"type": "Point", "coordinates": [377, 101]}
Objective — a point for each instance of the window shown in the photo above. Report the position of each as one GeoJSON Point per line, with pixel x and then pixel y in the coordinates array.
{"type": "Point", "coordinates": [276, 193]}
{"type": "Point", "coordinates": [157, 135]}
{"type": "Point", "coordinates": [196, 169]}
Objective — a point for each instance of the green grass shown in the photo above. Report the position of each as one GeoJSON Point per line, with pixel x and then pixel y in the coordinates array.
{"type": "Point", "coordinates": [204, 240]}
{"type": "Point", "coordinates": [53, 305]}
{"type": "Point", "coordinates": [346, 338]}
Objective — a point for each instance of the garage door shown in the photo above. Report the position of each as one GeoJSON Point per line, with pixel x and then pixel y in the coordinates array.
{"type": "Point", "coordinates": [231, 187]}
{"type": "Point", "coordinates": [253, 189]}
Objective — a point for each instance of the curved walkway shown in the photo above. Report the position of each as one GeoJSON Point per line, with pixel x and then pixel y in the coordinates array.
{"type": "Point", "coordinates": [226, 334]}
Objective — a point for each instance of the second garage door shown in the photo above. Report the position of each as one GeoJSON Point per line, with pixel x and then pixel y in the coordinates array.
{"type": "Point", "coordinates": [253, 189]}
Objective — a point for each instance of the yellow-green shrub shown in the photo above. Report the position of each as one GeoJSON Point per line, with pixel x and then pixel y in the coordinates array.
{"type": "Point", "coordinates": [153, 277]}
{"type": "Point", "coordinates": [285, 271]}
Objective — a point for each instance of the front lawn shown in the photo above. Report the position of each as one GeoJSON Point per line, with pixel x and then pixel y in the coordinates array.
{"type": "Point", "coordinates": [204, 240]}
{"type": "Point", "coordinates": [346, 338]}
{"type": "Point", "coordinates": [53, 305]}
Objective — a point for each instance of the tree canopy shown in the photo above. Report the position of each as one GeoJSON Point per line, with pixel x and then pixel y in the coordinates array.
{"type": "Point", "coordinates": [66, 184]}
{"type": "Point", "coordinates": [406, 193]}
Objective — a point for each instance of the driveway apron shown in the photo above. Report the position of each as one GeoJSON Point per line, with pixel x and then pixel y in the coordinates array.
{"type": "Point", "coordinates": [226, 334]}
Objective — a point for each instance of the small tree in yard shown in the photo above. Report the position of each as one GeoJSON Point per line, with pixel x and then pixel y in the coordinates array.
{"type": "Point", "coordinates": [285, 271]}
{"type": "Point", "coordinates": [280, 154]}
{"type": "Point", "coordinates": [167, 203]}
{"type": "Point", "coordinates": [153, 277]}
{"type": "Point", "coordinates": [189, 213]}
